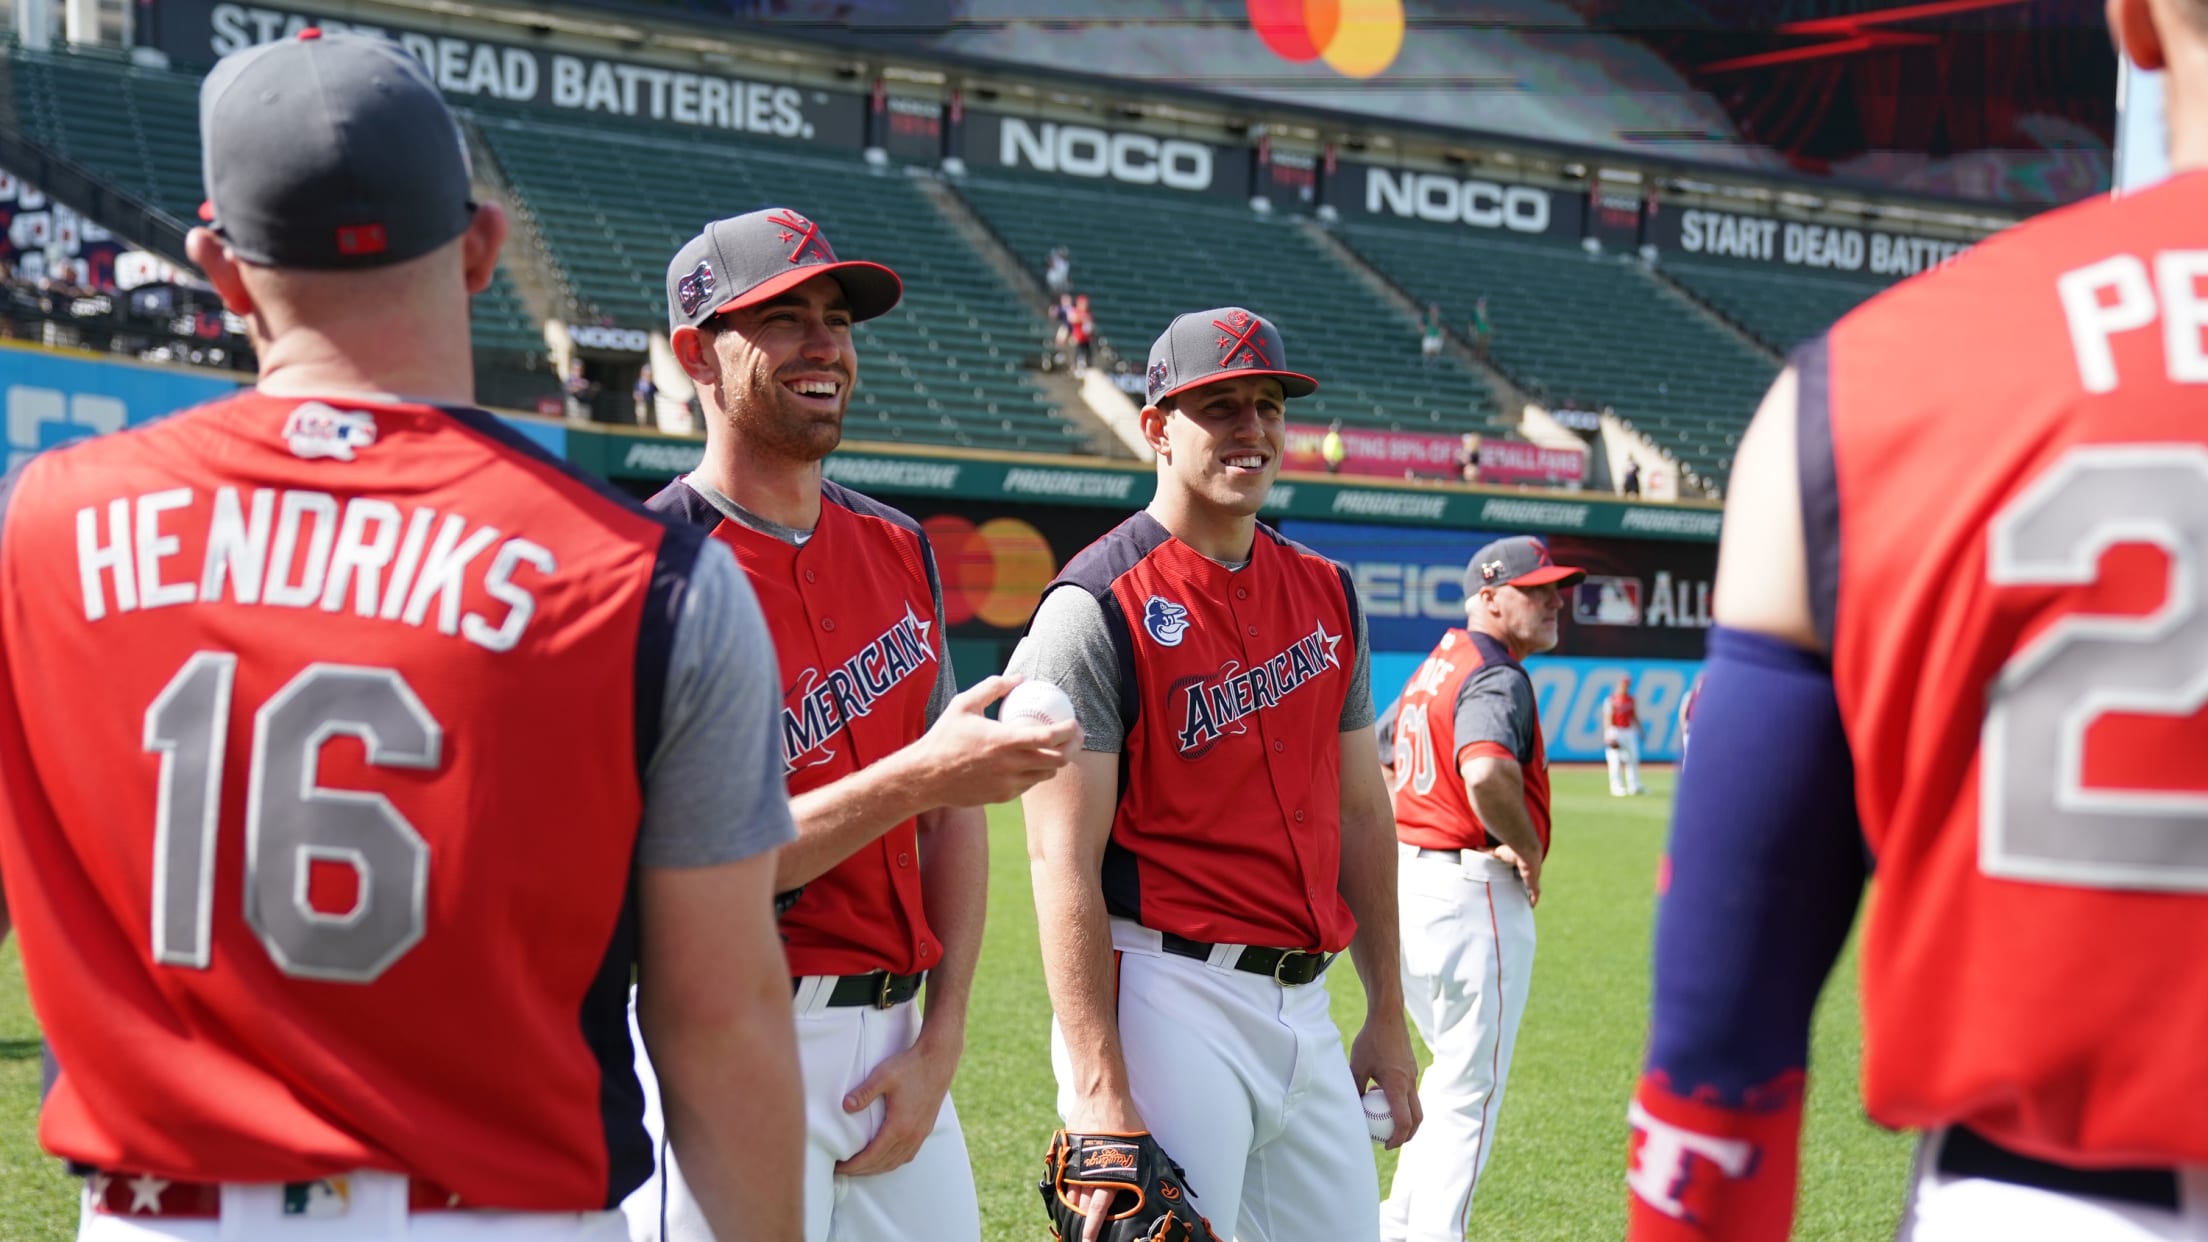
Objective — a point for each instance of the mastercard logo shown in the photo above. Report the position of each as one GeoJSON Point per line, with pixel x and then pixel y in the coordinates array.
{"type": "Point", "coordinates": [1358, 38]}
{"type": "Point", "coordinates": [995, 571]}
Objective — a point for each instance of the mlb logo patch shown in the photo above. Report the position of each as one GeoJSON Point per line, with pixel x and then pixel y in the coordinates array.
{"type": "Point", "coordinates": [327, 1196]}
{"type": "Point", "coordinates": [1165, 621]}
{"type": "Point", "coordinates": [694, 289]}
{"type": "Point", "coordinates": [315, 430]}
{"type": "Point", "coordinates": [1606, 600]}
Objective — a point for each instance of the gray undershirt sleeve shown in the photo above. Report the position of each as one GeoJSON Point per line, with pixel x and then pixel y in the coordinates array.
{"type": "Point", "coordinates": [713, 791]}
{"type": "Point", "coordinates": [1067, 644]}
{"type": "Point", "coordinates": [1495, 704]}
{"type": "Point", "coordinates": [1357, 708]}
{"type": "Point", "coordinates": [1384, 732]}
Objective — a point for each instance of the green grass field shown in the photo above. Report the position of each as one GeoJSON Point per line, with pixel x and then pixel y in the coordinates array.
{"type": "Point", "coordinates": [1557, 1173]}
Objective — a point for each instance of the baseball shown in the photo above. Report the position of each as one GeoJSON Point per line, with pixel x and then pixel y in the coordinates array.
{"type": "Point", "coordinates": [1379, 1118]}
{"type": "Point", "coordinates": [1038, 701]}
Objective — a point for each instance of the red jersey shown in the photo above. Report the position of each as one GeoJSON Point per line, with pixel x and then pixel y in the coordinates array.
{"type": "Point", "coordinates": [1228, 827]}
{"type": "Point", "coordinates": [1624, 712]}
{"type": "Point", "coordinates": [1432, 810]}
{"type": "Point", "coordinates": [323, 729]}
{"type": "Point", "coordinates": [853, 613]}
{"type": "Point", "coordinates": [2005, 490]}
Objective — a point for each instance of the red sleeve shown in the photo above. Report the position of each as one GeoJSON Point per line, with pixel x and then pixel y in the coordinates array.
{"type": "Point", "coordinates": [1701, 1172]}
{"type": "Point", "coordinates": [1473, 749]}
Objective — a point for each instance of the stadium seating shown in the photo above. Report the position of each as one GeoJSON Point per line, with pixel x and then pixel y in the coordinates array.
{"type": "Point", "coordinates": [1569, 325]}
{"type": "Point", "coordinates": [1781, 309]}
{"type": "Point", "coordinates": [1144, 257]}
{"type": "Point", "coordinates": [614, 200]}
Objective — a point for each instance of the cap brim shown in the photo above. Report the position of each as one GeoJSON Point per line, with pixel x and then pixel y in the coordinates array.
{"type": "Point", "coordinates": [869, 288]}
{"type": "Point", "coordinates": [1292, 383]}
{"type": "Point", "coordinates": [1561, 575]}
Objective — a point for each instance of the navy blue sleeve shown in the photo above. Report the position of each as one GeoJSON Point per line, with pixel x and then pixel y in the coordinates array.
{"type": "Point", "coordinates": [1766, 867]}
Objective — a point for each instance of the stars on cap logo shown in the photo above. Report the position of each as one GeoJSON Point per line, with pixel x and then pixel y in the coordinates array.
{"type": "Point", "coordinates": [1159, 373]}
{"type": "Point", "coordinates": [694, 289]}
{"type": "Point", "coordinates": [1240, 343]}
{"type": "Point", "coordinates": [811, 246]}
{"type": "Point", "coordinates": [1490, 570]}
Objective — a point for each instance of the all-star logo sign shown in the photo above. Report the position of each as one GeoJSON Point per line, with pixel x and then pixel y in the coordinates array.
{"type": "Point", "coordinates": [1241, 340]}
{"type": "Point", "coordinates": [316, 430]}
{"type": "Point", "coordinates": [818, 708]}
{"type": "Point", "coordinates": [695, 288]}
{"type": "Point", "coordinates": [803, 237]}
{"type": "Point", "coordinates": [1217, 705]}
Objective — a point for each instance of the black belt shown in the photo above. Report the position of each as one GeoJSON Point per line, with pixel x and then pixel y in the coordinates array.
{"type": "Point", "coordinates": [878, 990]}
{"type": "Point", "coordinates": [1287, 966]}
{"type": "Point", "coordinates": [1965, 1153]}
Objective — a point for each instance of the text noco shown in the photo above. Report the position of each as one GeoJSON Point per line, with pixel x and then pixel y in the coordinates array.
{"type": "Point", "coordinates": [1446, 200]}
{"type": "Point", "coordinates": [1080, 151]}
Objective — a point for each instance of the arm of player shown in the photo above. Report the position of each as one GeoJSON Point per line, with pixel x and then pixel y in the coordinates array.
{"type": "Point", "coordinates": [1381, 1052]}
{"type": "Point", "coordinates": [1496, 785]}
{"type": "Point", "coordinates": [1764, 871]}
{"type": "Point", "coordinates": [1069, 820]}
{"type": "Point", "coordinates": [964, 759]}
{"type": "Point", "coordinates": [954, 890]}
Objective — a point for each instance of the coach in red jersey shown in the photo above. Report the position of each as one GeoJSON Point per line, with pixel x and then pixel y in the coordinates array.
{"type": "Point", "coordinates": [1961, 632]}
{"type": "Point", "coordinates": [888, 770]}
{"type": "Point", "coordinates": [1224, 833]}
{"type": "Point", "coordinates": [356, 751]}
{"type": "Point", "coordinates": [1471, 788]}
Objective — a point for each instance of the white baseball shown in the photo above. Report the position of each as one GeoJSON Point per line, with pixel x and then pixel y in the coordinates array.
{"type": "Point", "coordinates": [1379, 1118]}
{"type": "Point", "coordinates": [1039, 701]}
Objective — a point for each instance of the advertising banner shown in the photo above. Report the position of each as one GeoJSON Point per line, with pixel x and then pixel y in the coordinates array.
{"type": "Point", "coordinates": [1379, 454]}
{"type": "Point", "coordinates": [1501, 208]}
{"type": "Point", "coordinates": [1531, 465]}
{"type": "Point", "coordinates": [1700, 233]}
{"type": "Point", "coordinates": [1614, 213]}
{"type": "Point", "coordinates": [1126, 157]}
{"type": "Point", "coordinates": [995, 558]}
{"type": "Point", "coordinates": [199, 32]}
{"type": "Point", "coordinates": [1569, 692]}
{"type": "Point", "coordinates": [648, 459]}
{"type": "Point", "coordinates": [909, 128]}
{"type": "Point", "coordinates": [1643, 599]}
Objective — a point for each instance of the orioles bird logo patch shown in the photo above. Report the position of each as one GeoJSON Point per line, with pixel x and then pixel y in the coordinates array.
{"type": "Point", "coordinates": [1166, 621]}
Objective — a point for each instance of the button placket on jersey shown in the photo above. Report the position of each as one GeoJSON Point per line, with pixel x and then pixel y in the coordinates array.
{"type": "Point", "coordinates": [1296, 821]}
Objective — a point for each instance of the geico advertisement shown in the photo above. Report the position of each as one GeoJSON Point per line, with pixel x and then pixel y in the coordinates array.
{"type": "Point", "coordinates": [1643, 598]}
{"type": "Point", "coordinates": [1571, 691]}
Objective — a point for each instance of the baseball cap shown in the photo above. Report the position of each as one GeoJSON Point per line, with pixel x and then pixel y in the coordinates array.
{"type": "Point", "coordinates": [1203, 346]}
{"type": "Point", "coordinates": [330, 151]}
{"type": "Point", "coordinates": [750, 258]}
{"type": "Point", "coordinates": [1520, 561]}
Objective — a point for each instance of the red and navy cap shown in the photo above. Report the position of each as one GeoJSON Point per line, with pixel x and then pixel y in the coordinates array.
{"type": "Point", "coordinates": [1204, 346]}
{"type": "Point", "coordinates": [330, 151]}
{"type": "Point", "coordinates": [749, 258]}
{"type": "Point", "coordinates": [1520, 561]}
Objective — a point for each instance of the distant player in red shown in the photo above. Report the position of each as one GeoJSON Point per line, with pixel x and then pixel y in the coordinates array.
{"type": "Point", "coordinates": [1223, 834]}
{"type": "Point", "coordinates": [357, 752]}
{"type": "Point", "coordinates": [1686, 713]}
{"type": "Point", "coordinates": [1621, 740]}
{"type": "Point", "coordinates": [1963, 640]}
{"type": "Point", "coordinates": [887, 766]}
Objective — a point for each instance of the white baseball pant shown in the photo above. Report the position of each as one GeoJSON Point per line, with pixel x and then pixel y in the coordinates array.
{"type": "Point", "coordinates": [927, 1199]}
{"type": "Point", "coordinates": [376, 1212]}
{"type": "Point", "coordinates": [1467, 952]}
{"type": "Point", "coordinates": [1246, 1085]}
{"type": "Point", "coordinates": [1622, 747]}
{"type": "Point", "coordinates": [1946, 1208]}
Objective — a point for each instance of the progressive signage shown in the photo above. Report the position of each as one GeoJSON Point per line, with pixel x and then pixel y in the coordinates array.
{"type": "Point", "coordinates": [643, 458]}
{"type": "Point", "coordinates": [199, 32]}
{"type": "Point", "coordinates": [1504, 208]}
{"type": "Point", "coordinates": [1769, 242]}
{"type": "Point", "coordinates": [1125, 157]}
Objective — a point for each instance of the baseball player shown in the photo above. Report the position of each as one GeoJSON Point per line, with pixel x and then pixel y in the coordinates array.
{"type": "Point", "coordinates": [357, 751]}
{"type": "Point", "coordinates": [1686, 714]}
{"type": "Point", "coordinates": [1223, 833]}
{"type": "Point", "coordinates": [1472, 830]}
{"type": "Point", "coordinates": [1621, 740]}
{"type": "Point", "coordinates": [887, 880]}
{"type": "Point", "coordinates": [1961, 638]}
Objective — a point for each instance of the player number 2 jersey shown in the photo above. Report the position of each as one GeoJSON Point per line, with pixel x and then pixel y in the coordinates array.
{"type": "Point", "coordinates": [2005, 495]}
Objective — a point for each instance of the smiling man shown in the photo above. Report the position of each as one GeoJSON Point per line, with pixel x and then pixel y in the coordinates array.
{"type": "Point", "coordinates": [885, 885]}
{"type": "Point", "coordinates": [1225, 831]}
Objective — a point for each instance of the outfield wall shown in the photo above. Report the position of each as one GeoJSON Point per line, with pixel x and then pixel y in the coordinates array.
{"type": "Point", "coordinates": [1003, 526]}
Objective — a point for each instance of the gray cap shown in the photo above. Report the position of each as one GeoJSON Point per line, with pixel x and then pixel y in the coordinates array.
{"type": "Point", "coordinates": [1203, 346]}
{"type": "Point", "coordinates": [750, 258]}
{"type": "Point", "coordinates": [1520, 561]}
{"type": "Point", "coordinates": [330, 151]}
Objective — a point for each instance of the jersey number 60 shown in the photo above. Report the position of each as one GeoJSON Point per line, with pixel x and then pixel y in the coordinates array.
{"type": "Point", "coordinates": [290, 821]}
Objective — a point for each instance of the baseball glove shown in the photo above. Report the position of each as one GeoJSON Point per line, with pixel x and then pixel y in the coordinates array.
{"type": "Point", "coordinates": [1150, 1200]}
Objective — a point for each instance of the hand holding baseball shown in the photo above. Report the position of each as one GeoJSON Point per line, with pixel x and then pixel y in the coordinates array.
{"type": "Point", "coordinates": [972, 760]}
